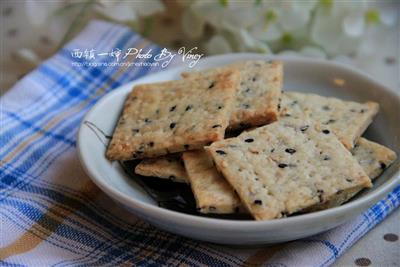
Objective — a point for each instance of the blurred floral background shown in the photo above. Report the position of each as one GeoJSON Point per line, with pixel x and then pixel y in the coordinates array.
{"type": "Point", "coordinates": [364, 34]}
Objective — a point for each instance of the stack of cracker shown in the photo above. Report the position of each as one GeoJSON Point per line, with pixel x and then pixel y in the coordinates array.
{"type": "Point", "coordinates": [296, 153]}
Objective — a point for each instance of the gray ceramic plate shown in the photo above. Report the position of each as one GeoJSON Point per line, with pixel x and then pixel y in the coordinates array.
{"type": "Point", "coordinates": [304, 75]}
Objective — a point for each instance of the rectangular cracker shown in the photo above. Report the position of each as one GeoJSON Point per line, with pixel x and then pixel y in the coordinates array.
{"type": "Point", "coordinates": [286, 167]}
{"type": "Point", "coordinates": [212, 192]}
{"type": "Point", "coordinates": [257, 95]}
{"type": "Point", "coordinates": [373, 157]}
{"type": "Point", "coordinates": [167, 117]}
{"type": "Point", "coordinates": [168, 167]}
{"type": "Point", "coordinates": [347, 119]}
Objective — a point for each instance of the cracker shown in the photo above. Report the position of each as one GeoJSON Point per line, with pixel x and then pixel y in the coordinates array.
{"type": "Point", "coordinates": [347, 119]}
{"type": "Point", "coordinates": [167, 117]}
{"type": "Point", "coordinates": [212, 192]}
{"type": "Point", "coordinates": [167, 167]}
{"type": "Point", "coordinates": [373, 157]}
{"type": "Point", "coordinates": [258, 93]}
{"type": "Point", "coordinates": [286, 167]}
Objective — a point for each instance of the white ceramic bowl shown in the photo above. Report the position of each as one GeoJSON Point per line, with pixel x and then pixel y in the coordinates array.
{"type": "Point", "coordinates": [304, 75]}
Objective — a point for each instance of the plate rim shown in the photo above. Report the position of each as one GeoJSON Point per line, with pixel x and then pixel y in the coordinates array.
{"type": "Point", "coordinates": [228, 223]}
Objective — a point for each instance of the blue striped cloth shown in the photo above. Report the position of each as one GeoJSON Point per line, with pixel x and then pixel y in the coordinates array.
{"type": "Point", "coordinates": [53, 215]}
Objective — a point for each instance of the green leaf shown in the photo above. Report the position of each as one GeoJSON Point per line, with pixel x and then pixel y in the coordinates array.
{"type": "Point", "coordinates": [257, 2]}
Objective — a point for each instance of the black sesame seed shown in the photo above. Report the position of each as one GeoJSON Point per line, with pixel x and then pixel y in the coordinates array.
{"type": "Point", "coordinates": [186, 147]}
{"type": "Point", "coordinates": [349, 180]}
{"type": "Point", "coordinates": [363, 110]}
{"type": "Point", "coordinates": [282, 165]}
{"type": "Point", "coordinates": [272, 150]}
{"type": "Point", "coordinates": [151, 144]}
{"type": "Point", "coordinates": [146, 120]}
{"type": "Point", "coordinates": [221, 152]}
{"type": "Point", "coordinates": [172, 125]}
{"type": "Point", "coordinates": [247, 90]}
{"type": "Point", "coordinates": [189, 107]}
{"type": "Point", "coordinates": [326, 131]}
{"type": "Point", "coordinates": [249, 140]}
{"type": "Point", "coordinates": [211, 85]}
{"type": "Point", "coordinates": [244, 125]}
{"type": "Point", "coordinates": [279, 106]}
{"type": "Point", "coordinates": [258, 202]}
{"type": "Point", "coordinates": [290, 150]}
{"type": "Point", "coordinates": [216, 126]}
{"type": "Point", "coordinates": [220, 107]}
{"type": "Point", "coordinates": [254, 79]}
{"type": "Point", "coordinates": [287, 115]}
{"type": "Point", "coordinates": [319, 193]}
{"type": "Point", "coordinates": [135, 130]}
{"type": "Point", "coordinates": [304, 128]}
{"type": "Point", "coordinates": [327, 158]}
{"type": "Point", "coordinates": [246, 106]}
{"type": "Point", "coordinates": [383, 165]}
{"type": "Point", "coordinates": [172, 108]}
{"type": "Point", "coordinates": [256, 178]}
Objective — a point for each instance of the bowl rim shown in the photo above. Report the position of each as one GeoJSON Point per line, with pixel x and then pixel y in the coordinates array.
{"type": "Point", "coordinates": [369, 198]}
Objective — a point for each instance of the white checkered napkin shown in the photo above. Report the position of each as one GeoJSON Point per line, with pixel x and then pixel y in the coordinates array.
{"type": "Point", "coordinates": [51, 214]}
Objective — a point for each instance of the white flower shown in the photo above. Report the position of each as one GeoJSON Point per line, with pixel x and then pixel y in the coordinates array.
{"type": "Point", "coordinates": [307, 51]}
{"type": "Point", "coordinates": [247, 42]}
{"type": "Point", "coordinates": [338, 26]}
{"type": "Point", "coordinates": [218, 45]}
{"type": "Point", "coordinates": [128, 10]}
{"type": "Point", "coordinates": [292, 15]}
{"type": "Point", "coordinates": [312, 51]}
{"type": "Point", "coordinates": [283, 21]}
{"type": "Point", "coordinates": [226, 15]}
